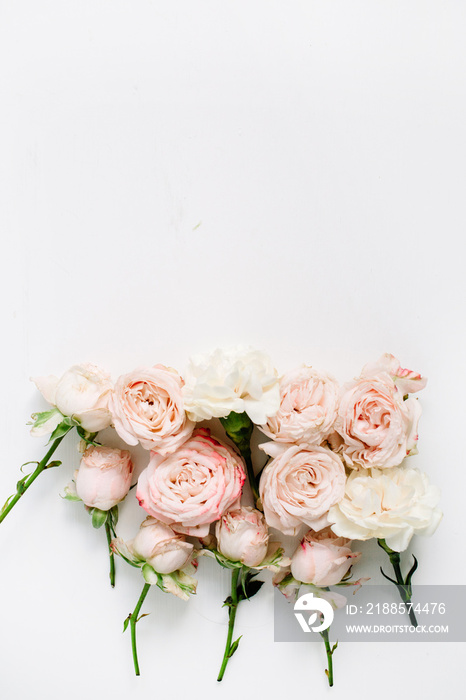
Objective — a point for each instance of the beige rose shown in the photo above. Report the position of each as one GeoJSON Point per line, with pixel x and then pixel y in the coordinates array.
{"type": "Point", "coordinates": [308, 408]}
{"type": "Point", "coordinates": [242, 535]}
{"type": "Point", "coordinates": [161, 547]}
{"type": "Point", "coordinates": [377, 427]}
{"type": "Point", "coordinates": [147, 407]}
{"type": "Point", "coordinates": [299, 486]}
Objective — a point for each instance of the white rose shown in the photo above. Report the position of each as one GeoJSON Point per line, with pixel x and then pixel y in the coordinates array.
{"type": "Point", "coordinates": [308, 408]}
{"type": "Point", "coordinates": [242, 535]}
{"type": "Point", "coordinates": [82, 392]}
{"type": "Point", "coordinates": [239, 380]}
{"type": "Point", "coordinates": [161, 547]}
{"type": "Point", "coordinates": [393, 505]}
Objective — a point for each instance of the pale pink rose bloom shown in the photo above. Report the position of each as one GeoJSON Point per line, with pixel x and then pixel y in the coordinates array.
{"type": "Point", "coordinates": [82, 392]}
{"type": "Point", "coordinates": [194, 486]}
{"type": "Point", "coordinates": [378, 428]}
{"type": "Point", "coordinates": [407, 381]}
{"type": "Point", "coordinates": [322, 558]}
{"type": "Point", "coordinates": [308, 408]}
{"type": "Point", "coordinates": [104, 476]}
{"type": "Point", "coordinates": [161, 547]}
{"type": "Point", "coordinates": [299, 486]}
{"type": "Point", "coordinates": [242, 535]}
{"type": "Point", "coordinates": [147, 407]}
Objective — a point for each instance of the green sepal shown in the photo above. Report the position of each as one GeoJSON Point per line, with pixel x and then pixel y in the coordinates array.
{"type": "Point", "coordinates": [248, 586]}
{"type": "Point", "coordinates": [88, 438]}
{"type": "Point", "coordinates": [99, 517]}
{"type": "Point", "coordinates": [55, 463]}
{"type": "Point", "coordinates": [239, 427]}
{"type": "Point", "coordinates": [62, 429]}
{"type": "Point", "coordinates": [126, 623]}
{"type": "Point", "coordinates": [233, 647]}
{"type": "Point", "coordinates": [39, 419]}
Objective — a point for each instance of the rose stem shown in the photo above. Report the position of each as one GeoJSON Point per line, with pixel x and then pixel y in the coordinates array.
{"type": "Point", "coordinates": [110, 552]}
{"type": "Point", "coordinates": [403, 588]}
{"type": "Point", "coordinates": [133, 620]}
{"type": "Point", "coordinates": [22, 488]}
{"type": "Point", "coordinates": [231, 621]}
{"type": "Point", "coordinates": [329, 671]}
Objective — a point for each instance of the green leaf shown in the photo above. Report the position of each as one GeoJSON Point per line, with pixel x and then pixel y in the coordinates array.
{"type": "Point", "coordinates": [61, 430]}
{"type": "Point", "coordinates": [5, 505]}
{"type": "Point", "coordinates": [233, 647]}
{"type": "Point", "coordinates": [126, 623]}
{"type": "Point", "coordinates": [99, 517]}
{"type": "Point", "coordinates": [334, 647]}
{"type": "Point", "coordinates": [141, 616]}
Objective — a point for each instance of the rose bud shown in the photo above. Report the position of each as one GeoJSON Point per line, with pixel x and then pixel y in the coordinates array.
{"type": "Point", "coordinates": [161, 547]}
{"type": "Point", "coordinates": [104, 477]}
{"type": "Point", "coordinates": [242, 535]}
{"type": "Point", "coordinates": [322, 558]}
{"type": "Point", "coordinates": [82, 392]}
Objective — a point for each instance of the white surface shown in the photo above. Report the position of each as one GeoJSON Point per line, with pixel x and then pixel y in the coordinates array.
{"type": "Point", "coordinates": [177, 176]}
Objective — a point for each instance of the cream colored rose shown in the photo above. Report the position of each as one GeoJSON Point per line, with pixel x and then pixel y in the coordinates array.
{"type": "Point", "coordinates": [147, 407]}
{"type": "Point", "coordinates": [308, 408]}
{"type": "Point", "coordinates": [194, 486]}
{"type": "Point", "coordinates": [242, 535]}
{"type": "Point", "coordinates": [161, 547]}
{"type": "Point", "coordinates": [239, 380]}
{"type": "Point", "coordinates": [82, 392]}
{"type": "Point", "coordinates": [104, 476]}
{"type": "Point", "coordinates": [322, 558]}
{"type": "Point", "coordinates": [393, 505]}
{"type": "Point", "coordinates": [378, 428]}
{"type": "Point", "coordinates": [299, 486]}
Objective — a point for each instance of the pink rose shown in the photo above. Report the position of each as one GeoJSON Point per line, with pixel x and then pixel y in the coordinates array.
{"type": "Point", "coordinates": [147, 407]}
{"type": "Point", "coordinates": [242, 535]}
{"type": "Point", "coordinates": [308, 408]}
{"type": "Point", "coordinates": [161, 547]}
{"type": "Point", "coordinates": [322, 558]}
{"type": "Point", "coordinates": [300, 485]}
{"type": "Point", "coordinates": [407, 381]}
{"type": "Point", "coordinates": [194, 486]}
{"type": "Point", "coordinates": [104, 477]}
{"type": "Point", "coordinates": [378, 428]}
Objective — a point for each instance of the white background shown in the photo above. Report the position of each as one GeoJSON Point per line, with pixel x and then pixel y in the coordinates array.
{"type": "Point", "coordinates": [177, 176]}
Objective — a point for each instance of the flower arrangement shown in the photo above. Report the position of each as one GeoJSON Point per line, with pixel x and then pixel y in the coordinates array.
{"type": "Point", "coordinates": [338, 470]}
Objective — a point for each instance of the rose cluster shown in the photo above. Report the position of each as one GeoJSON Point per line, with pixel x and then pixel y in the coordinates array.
{"type": "Point", "coordinates": [338, 469]}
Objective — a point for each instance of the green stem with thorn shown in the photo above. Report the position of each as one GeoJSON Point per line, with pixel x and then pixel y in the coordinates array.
{"type": "Point", "coordinates": [233, 606]}
{"type": "Point", "coordinates": [23, 486]}
{"type": "Point", "coordinates": [133, 618]}
{"type": "Point", "coordinates": [329, 650]}
{"type": "Point", "coordinates": [108, 532]}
